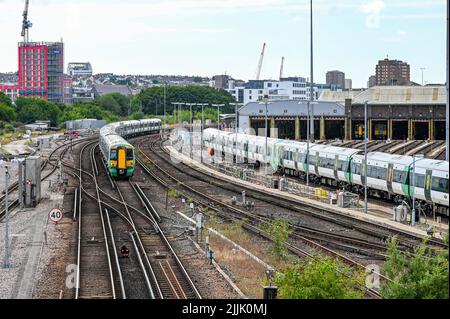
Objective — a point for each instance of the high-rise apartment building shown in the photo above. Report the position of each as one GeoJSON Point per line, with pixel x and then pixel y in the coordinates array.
{"type": "Point", "coordinates": [336, 77]}
{"type": "Point", "coordinates": [41, 70]}
{"type": "Point", "coordinates": [392, 72]}
{"type": "Point", "coordinates": [372, 81]}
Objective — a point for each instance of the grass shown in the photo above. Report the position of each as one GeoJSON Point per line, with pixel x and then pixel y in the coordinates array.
{"type": "Point", "coordinates": [173, 193]}
{"type": "Point", "coordinates": [249, 275]}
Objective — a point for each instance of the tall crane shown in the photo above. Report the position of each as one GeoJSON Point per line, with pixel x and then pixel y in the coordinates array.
{"type": "Point", "coordinates": [282, 67]}
{"type": "Point", "coordinates": [26, 24]}
{"type": "Point", "coordinates": [261, 58]}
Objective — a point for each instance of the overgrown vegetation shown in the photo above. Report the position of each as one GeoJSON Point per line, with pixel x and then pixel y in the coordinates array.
{"type": "Point", "coordinates": [424, 275]}
{"type": "Point", "coordinates": [173, 193]}
{"type": "Point", "coordinates": [320, 278]}
{"type": "Point", "coordinates": [279, 231]}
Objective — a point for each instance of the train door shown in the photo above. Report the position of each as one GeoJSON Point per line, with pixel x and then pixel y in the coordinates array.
{"type": "Point", "coordinates": [122, 159]}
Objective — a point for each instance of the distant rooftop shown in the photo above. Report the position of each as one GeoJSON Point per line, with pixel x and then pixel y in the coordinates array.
{"type": "Point", "coordinates": [102, 89]}
{"type": "Point", "coordinates": [402, 95]}
{"type": "Point", "coordinates": [430, 94]}
{"type": "Point", "coordinates": [292, 108]}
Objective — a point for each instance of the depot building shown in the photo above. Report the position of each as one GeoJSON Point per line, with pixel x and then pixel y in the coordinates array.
{"type": "Point", "coordinates": [393, 112]}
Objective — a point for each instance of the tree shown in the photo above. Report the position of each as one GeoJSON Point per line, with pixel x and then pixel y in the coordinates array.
{"type": "Point", "coordinates": [424, 275]}
{"type": "Point", "coordinates": [153, 98]}
{"type": "Point", "coordinates": [320, 278]}
{"type": "Point", "coordinates": [4, 99]}
{"type": "Point", "coordinates": [31, 109]}
{"type": "Point", "coordinates": [7, 113]}
{"type": "Point", "coordinates": [116, 103]}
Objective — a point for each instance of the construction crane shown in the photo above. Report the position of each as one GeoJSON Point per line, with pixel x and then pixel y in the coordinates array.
{"type": "Point", "coordinates": [26, 24]}
{"type": "Point", "coordinates": [282, 67]}
{"type": "Point", "coordinates": [258, 72]}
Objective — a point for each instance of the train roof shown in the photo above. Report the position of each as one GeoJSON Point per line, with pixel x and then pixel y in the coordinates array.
{"type": "Point", "coordinates": [334, 149]}
{"type": "Point", "coordinates": [432, 164]}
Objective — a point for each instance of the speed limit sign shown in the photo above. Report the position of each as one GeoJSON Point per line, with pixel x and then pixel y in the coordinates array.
{"type": "Point", "coordinates": [55, 215]}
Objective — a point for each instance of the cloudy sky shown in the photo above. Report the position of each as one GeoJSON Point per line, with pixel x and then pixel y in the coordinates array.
{"type": "Point", "coordinates": [207, 37]}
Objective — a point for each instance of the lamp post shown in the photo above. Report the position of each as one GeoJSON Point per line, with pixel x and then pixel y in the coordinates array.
{"type": "Point", "coordinates": [165, 100]}
{"type": "Point", "coordinates": [311, 94]}
{"type": "Point", "coordinates": [191, 129]}
{"type": "Point", "coordinates": [201, 133]}
{"type": "Point", "coordinates": [235, 126]}
{"type": "Point", "coordinates": [218, 113]}
{"type": "Point", "coordinates": [413, 211]}
{"type": "Point", "coordinates": [365, 157]}
{"type": "Point", "coordinates": [309, 131]}
{"type": "Point", "coordinates": [266, 102]}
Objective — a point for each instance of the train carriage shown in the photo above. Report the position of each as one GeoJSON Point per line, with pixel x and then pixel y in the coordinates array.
{"type": "Point", "coordinates": [118, 154]}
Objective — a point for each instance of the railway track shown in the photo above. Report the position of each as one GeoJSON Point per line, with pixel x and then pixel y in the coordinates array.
{"type": "Point", "coordinates": [62, 149]}
{"type": "Point", "coordinates": [96, 278]}
{"type": "Point", "coordinates": [366, 227]}
{"type": "Point", "coordinates": [253, 223]}
{"type": "Point", "coordinates": [170, 279]}
{"type": "Point", "coordinates": [144, 274]}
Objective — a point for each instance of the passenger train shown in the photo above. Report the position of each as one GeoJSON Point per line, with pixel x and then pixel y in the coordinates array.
{"type": "Point", "coordinates": [117, 153]}
{"type": "Point", "coordinates": [388, 176]}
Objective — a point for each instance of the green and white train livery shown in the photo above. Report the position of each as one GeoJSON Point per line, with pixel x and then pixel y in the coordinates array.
{"type": "Point", "coordinates": [388, 176]}
{"type": "Point", "coordinates": [117, 153]}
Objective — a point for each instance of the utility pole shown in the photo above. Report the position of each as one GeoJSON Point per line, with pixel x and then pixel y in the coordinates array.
{"type": "Point", "coordinates": [311, 97]}
{"type": "Point", "coordinates": [218, 113]}
{"type": "Point", "coordinates": [165, 123]}
{"type": "Point", "coordinates": [447, 114]}
{"type": "Point", "coordinates": [266, 100]}
{"type": "Point", "coordinates": [235, 126]}
{"type": "Point", "coordinates": [307, 146]}
{"type": "Point", "coordinates": [6, 263]}
{"type": "Point", "coordinates": [365, 157]}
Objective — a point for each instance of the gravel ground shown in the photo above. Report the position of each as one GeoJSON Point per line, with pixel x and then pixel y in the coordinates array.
{"type": "Point", "coordinates": [28, 240]}
{"type": "Point", "coordinates": [208, 280]}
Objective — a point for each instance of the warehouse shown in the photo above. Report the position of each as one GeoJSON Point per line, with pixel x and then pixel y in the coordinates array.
{"type": "Point", "coordinates": [394, 112]}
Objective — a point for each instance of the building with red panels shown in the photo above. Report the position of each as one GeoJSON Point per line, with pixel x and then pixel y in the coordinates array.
{"type": "Point", "coordinates": [41, 67]}
{"type": "Point", "coordinates": [10, 90]}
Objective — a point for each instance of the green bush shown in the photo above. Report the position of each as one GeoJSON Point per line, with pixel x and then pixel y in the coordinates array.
{"type": "Point", "coordinates": [320, 278]}
{"type": "Point", "coordinates": [424, 275]}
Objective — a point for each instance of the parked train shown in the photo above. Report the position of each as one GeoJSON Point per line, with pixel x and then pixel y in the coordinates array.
{"type": "Point", "coordinates": [388, 176]}
{"type": "Point", "coordinates": [117, 153]}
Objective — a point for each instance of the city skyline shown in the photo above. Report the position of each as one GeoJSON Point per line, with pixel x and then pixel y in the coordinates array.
{"type": "Point", "coordinates": [201, 37]}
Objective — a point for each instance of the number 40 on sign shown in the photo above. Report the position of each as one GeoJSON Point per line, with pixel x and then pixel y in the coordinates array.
{"type": "Point", "coordinates": [55, 215]}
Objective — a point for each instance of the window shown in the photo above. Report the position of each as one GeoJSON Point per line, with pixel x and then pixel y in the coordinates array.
{"type": "Point", "coordinates": [269, 85]}
{"type": "Point", "coordinates": [401, 177]}
{"type": "Point", "coordinates": [356, 168]}
{"type": "Point", "coordinates": [439, 184]}
{"type": "Point", "coordinates": [419, 180]}
{"type": "Point", "coordinates": [130, 154]}
{"type": "Point", "coordinates": [326, 162]}
{"type": "Point", "coordinates": [342, 165]}
{"type": "Point", "coordinates": [113, 155]}
{"type": "Point", "coordinates": [377, 172]}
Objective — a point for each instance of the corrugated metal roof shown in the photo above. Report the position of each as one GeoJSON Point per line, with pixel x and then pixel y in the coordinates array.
{"type": "Point", "coordinates": [292, 108]}
{"type": "Point", "coordinates": [402, 95]}
{"type": "Point", "coordinates": [335, 96]}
